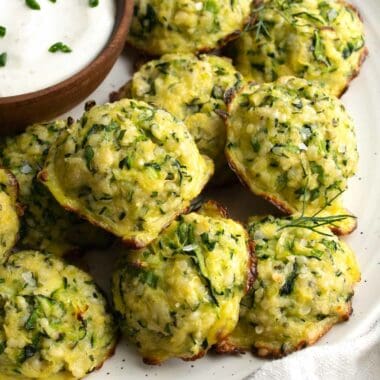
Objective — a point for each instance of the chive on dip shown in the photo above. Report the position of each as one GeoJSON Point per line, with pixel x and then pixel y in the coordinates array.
{"type": "Point", "coordinates": [43, 42]}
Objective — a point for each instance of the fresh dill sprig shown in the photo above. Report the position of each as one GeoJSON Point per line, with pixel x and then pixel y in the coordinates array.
{"type": "Point", "coordinates": [260, 25]}
{"type": "Point", "coordinates": [314, 221]}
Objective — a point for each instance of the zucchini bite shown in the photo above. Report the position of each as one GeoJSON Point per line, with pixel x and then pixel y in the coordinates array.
{"type": "Point", "coordinates": [54, 320]}
{"type": "Point", "coordinates": [311, 39]}
{"type": "Point", "coordinates": [192, 89]}
{"type": "Point", "coordinates": [304, 286]}
{"type": "Point", "coordinates": [9, 210]}
{"type": "Point", "coordinates": [181, 294]}
{"type": "Point", "coordinates": [187, 26]}
{"type": "Point", "coordinates": [127, 167]}
{"type": "Point", "coordinates": [45, 226]}
{"type": "Point", "coordinates": [295, 146]}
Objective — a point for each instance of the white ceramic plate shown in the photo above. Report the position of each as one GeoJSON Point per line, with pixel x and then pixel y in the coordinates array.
{"type": "Point", "coordinates": [362, 198]}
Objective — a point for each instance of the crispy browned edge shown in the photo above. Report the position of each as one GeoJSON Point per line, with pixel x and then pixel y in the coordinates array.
{"type": "Point", "coordinates": [244, 181]}
{"type": "Point", "coordinates": [129, 243]}
{"type": "Point", "coordinates": [247, 22]}
{"type": "Point", "coordinates": [122, 92]}
{"type": "Point", "coordinates": [341, 232]}
{"type": "Point", "coordinates": [225, 347]}
{"type": "Point", "coordinates": [363, 55]}
{"type": "Point", "coordinates": [155, 361]}
{"type": "Point", "coordinates": [279, 204]}
{"type": "Point", "coordinates": [109, 354]}
{"type": "Point", "coordinates": [221, 209]}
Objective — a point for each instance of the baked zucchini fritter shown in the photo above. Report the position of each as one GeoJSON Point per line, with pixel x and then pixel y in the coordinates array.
{"type": "Point", "coordinates": [180, 295]}
{"type": "Point", "coordinates": [312, 39]}
{"type": "Point", "coordinates": [192, 89]}
{"type": "Point", "coordinates": [9, 210]}
{"type": "Point", "coordinates": [127, 167]}
{"type": "Point", "coordinates": [45, 225]}
{"type": "Point", "coordinates": [54, 320]}
{"type": "Point", "coordinates": [304, 286]}
{"type": "Point", "coordinates": [187, 26]}
{"type": "Point", "coordinates": [295, 146]}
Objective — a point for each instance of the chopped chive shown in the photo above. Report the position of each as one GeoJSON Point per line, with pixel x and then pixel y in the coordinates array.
{"type": "Point", "coordinates": [33, 4]}
{"type": "Point", "coordinates": [3, 31]}
{"type": "Point", "coordinates": [89, 155]}
{"type": "Point", "coordinates": [288, 287]}
{"type": "Point", "coordinates": [319, 49]}
{"type": "Point", "coordinates": [59, 46]}
{"type": "Point", "coordinates": [3, 59]}
{"type": "Point", "coordinates": [93, 3]}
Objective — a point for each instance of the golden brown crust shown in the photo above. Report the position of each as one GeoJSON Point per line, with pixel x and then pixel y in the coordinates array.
{"type": "Point", "coordinates": [156, 361]}
{"type": "Point", "coordinates": [42, 176]}
{"type": "Point", "coordinates": [223, 212]}
{"type": "Point", "coordinates": [151, 361]}
{"type": "Point", "coordinates": [362, 59]}
{"type": "Point", "coordinates": [341, 232]}
{"type": "Point", "coordinates": [226, 347]}
{"type": "Point", "coordinates": [129, 243]}
{"type": "Point", "coordinates": [109, 354]}
{"type": "Point", "coordinates": [195, 357]}
{"type": "Point", "coordinates": [252, 265]}
{"type": "Point", "coordinates": [122, 92]}
{"type": "Point", "coordinates": [277, 203]}
{"type": "Point", "coordinates": [280, 205]}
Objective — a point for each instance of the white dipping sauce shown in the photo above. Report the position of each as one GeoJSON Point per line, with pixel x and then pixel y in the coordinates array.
{"type": "Point", "coordinates": [30, 33]}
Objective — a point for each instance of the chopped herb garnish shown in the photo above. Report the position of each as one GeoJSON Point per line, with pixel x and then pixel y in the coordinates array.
{"type": "Point", "coordinates": [315, 221]}
{"type": "Point", "coordinates": [33, 4]}
{"type": "Point", "coordinates": [319, 49]}
{"type": "Point", "coordinates": [210, 244]}
{"type": "Point", "coordinates": [3, 31]}
{"type": "Point", "coordinates": [93, 3]}
{"type": "Point", "coordinates": [89, 155]}
{"type": "Point", "coordinates": [288, 287]}
{"type": "Point", "coordinates": [125, 163]}
{"type": "Point", "coordinates": [59, 47]}
{"type": "Point", "coordinates": [3, 59]}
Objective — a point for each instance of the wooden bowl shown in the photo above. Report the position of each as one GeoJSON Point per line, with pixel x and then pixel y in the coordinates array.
{"type": "Point", "coordinates": [17, 112]}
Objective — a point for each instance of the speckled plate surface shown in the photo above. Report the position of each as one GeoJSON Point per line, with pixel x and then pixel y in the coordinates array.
{"type": "Point", "coordinates": [363, 198]}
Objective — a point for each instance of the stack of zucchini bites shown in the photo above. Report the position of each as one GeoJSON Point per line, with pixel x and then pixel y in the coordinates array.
{"type": "Point", "coordinates": [189, 279]}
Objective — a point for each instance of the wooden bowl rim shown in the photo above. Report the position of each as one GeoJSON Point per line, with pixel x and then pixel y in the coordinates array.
{"type": "Point", "coordinates": [119, 35]}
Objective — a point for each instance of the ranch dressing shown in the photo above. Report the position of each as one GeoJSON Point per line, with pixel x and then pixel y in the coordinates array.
{"type": "Point", "coordinates": [29, 34]}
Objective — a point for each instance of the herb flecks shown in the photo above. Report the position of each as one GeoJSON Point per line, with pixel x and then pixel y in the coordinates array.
{"type": "Point", "coordinates": [288, 287]}
{"type": "Point", "coordinates": [319, 49]}
{"type": "Point", "coordinates": [33, 4]}
{"type": "Point", "coordinates": [3, 59]}
{"type": "Point", "coordinates": [93, 3]}
{"type": "Point", "coordinates": [314, 221]}
{"type": "Point", "coordinates": [59, 47]}
{"type": "Point", "coordinates": [3, 31]}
